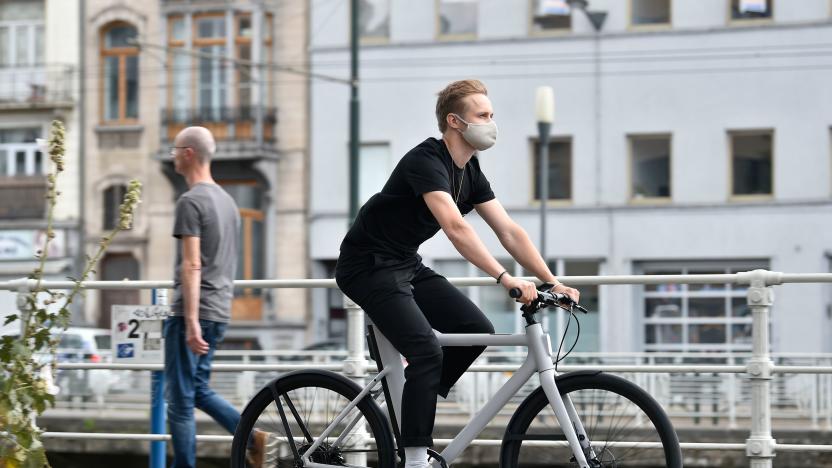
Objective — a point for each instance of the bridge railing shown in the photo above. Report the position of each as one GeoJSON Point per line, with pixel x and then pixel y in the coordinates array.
{"type": "Point", "coordinates": [758, 369]}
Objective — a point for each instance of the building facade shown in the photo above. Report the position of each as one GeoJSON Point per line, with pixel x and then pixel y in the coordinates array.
{"type": "Point", "coordinates": [689, 137]}
{"type": "Point", "coordinates": [162, 66]}
{"type": "Point", "coordinates": [40, 81]}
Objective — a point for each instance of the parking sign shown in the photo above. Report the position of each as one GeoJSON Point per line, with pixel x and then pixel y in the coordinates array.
{"type": "Point", "coordinates": [137, 333]}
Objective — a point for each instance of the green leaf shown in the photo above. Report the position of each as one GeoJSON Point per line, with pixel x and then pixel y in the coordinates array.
{"type": "Point", "coordinates": [11, 318]}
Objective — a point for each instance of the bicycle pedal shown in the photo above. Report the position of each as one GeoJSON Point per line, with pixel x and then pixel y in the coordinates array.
{"type": "Point", "coordinates": [435, 455]}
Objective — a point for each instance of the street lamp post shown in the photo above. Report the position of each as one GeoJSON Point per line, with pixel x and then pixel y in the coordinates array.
{"type": "Point", "coordinates": [545, 112]}
{"type": "Point", "coordinates": [354, 112]}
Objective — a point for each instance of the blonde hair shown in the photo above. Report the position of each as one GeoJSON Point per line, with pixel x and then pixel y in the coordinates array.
{"type": "Point", "coordinates": [450, 100]}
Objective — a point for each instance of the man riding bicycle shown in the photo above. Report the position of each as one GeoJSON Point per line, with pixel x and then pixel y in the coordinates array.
{"type": "Point", "coordinates": [433, 187]}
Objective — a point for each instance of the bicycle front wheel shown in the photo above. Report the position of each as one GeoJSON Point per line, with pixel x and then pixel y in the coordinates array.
{"type": "Point", "coordinates": [298, 407]}
{"type": "Point", "coordinates": [625, 425]}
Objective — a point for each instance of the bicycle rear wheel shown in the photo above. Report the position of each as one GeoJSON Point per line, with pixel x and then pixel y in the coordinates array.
{"type": "Point", "coordinates": [299, 406]}
{"type": "Point", "coordinates": [625, 425]}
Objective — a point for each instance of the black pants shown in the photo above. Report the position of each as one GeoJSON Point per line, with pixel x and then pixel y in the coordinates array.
{"type": "Point", "coordinates": [406, 300]}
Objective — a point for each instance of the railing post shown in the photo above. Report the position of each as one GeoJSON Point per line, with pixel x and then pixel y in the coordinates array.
{"type": "Point", "coordinates": [158, 451]}
{"type": "Point", "coordinates": [732, 395]}
{"type": "Point", "coordinates": [813, 404]}
{"type": "Point", "coordinates": [760, 446]}
{"type": "Point", "coordinates": [23, 289]}
{"type": "Point", "coordinates": [828, 399]}
{"type": "Point", "coordinates": [355, 368]}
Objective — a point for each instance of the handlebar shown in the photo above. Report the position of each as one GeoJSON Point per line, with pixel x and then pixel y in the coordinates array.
{"type": "Point", "coordinates": [550, 298]}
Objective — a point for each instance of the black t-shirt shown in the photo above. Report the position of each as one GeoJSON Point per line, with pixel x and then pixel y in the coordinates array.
{"type": "Point", "coordinates": [396, 221]}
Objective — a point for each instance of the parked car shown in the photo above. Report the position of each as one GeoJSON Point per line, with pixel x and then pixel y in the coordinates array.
{"type": "Point", "coordinates": [80, 344]}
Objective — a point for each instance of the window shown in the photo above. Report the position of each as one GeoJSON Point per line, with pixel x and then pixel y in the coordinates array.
{"type": "Point", "coordinates": [649, 12]}
{"type": "Point", "coordinates": [211, 27]}
{"type": "Point", "coordinates": [751, 154]}
{"type": "Point", "coordinates": [696, 317]}
{"type": "Point", "coordinates": [457, 18]}
{"type": "Point", "coordinates": [211, 80]}
{"type": "Point", "coordinates": [336, 314]}
{"type": "Point", "coordinates": [551, 16]}
{"type": "Point", "coordinates": [589, 340]}
{"type": "Point", "coordinates": [555, 321]}
{"type": "Point", "coordinates": [650, 167]}
{"type": "Point", "coordinates": [243, 71]}
{"type": "Point", "coordinates": [495, 303]}
{"type": "Point", "coordinates": [560, 169]}
{"type": "Point", "coordinates": [209, 89]}
{"type": "Point", "coordinates": [374, 169]}
{"type": "Point", "coordinates": [117, 267]}
{"type": "Point", "coordinates": [19, 154]}
{"type": "Point", "coordinates": [120, 99]}
{"type": "Point", "coordinates": [113, 196]}
{"type": "Point", "coordinates": [374, 19]}
{"type": "Point", "coordinates": [750, 9]}
{"type": "Point", "coordinates": [21, 33]}
{"type": "Point", "coordinates": [502, 311]}
{"type": "Point", "coordinates": [243, 79]}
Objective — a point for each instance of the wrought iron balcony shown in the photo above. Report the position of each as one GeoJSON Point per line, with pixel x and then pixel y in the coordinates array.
{"type": "Point", "coordinates": [243, 119]}
{"type": "Point", "coordinates": [234, 128]}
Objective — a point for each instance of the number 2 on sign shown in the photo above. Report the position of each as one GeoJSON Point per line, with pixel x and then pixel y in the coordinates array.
{"type": "Point", "coordinates": [132, 333]}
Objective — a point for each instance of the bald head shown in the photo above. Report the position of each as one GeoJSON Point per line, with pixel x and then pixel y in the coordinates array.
{"type": "Point", "coordinates": [200, 140]}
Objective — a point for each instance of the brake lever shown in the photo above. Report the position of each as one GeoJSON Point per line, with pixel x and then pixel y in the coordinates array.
{"type": "Point", "coordinates": [565, 302]}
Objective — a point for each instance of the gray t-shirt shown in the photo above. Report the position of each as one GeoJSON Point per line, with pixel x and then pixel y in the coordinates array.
{"type": "Point", "coordinates": [208, 212]}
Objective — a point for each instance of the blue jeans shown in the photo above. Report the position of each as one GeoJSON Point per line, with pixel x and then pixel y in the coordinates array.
{"type": "Point", "coordinates": [186, 386]}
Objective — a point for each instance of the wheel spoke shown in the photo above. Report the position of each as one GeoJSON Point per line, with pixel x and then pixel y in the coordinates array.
{"type": "Point", "coordinates": [301, 407]}
{"type": "Point", "coordinates": [617, 416]}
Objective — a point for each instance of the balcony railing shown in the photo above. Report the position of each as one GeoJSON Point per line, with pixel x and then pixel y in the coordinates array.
{"type": "Point", "coordinates": [22, 197]}
{"type": "Point", "coordinates": [226, 123]}
{"type": "Point", "coordinates": [33, 86]}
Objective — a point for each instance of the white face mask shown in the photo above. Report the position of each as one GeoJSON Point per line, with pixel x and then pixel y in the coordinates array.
{"type": "Point", "coordinates": [480, 136]}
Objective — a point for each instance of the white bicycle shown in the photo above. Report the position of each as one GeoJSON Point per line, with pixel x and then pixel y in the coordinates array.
{"type": "Point", "coordinates": [587, 419]}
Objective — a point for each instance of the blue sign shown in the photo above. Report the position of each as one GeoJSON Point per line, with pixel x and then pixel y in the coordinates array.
{"type": "Point", "coordinates": [125, 350]}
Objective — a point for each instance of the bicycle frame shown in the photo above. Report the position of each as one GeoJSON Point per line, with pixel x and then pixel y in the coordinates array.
{"type": "Point", "coordinates": [538, 359]}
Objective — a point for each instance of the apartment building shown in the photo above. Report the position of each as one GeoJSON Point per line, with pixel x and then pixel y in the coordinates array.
{"type": "Point", "coordinates": [162, 66]}
{"type": "Point", "coordinates": [40, 81]}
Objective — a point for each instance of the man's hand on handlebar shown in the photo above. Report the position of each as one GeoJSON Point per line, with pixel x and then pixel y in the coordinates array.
{"type": "Point", "coordinates": [573, 293]}
{"type": "Point", "coordinates": [526, 287]}
{"type": "Point", "coordinates": [547, 296]}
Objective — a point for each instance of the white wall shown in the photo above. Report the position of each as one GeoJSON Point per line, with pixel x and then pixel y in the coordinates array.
{"type": "Point", "coordinates": [62, 49]}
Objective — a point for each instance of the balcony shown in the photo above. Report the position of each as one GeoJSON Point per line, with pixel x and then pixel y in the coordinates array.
{"type": "Point", "coordinates": [234, 128]}
{"type": "Point", "coordinates": [37, 87]}
{"type": "Point", "coordinates": [22, 197]}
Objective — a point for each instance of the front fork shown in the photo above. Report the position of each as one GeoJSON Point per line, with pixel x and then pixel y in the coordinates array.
{"type": "Point", "coordinates": [568, 419]}
{"type": "Point", "coordinates": [565, 412]}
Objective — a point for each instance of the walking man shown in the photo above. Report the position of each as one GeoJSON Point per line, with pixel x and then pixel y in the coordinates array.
{"type": "Point", "coordinates": [206, 225]}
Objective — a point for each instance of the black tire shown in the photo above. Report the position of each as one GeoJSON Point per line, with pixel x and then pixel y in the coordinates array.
{"type": "Point", "coordinates": [317, 397]}
{"type": "Point", "coordinates": [613, 410]}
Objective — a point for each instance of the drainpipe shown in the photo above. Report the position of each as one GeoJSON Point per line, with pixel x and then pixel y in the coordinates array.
{"type": "Point", "coordinates": [82, 146]}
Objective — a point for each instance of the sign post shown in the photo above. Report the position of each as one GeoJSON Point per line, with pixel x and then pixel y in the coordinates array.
{"type": "Point", "coordinates": [137, 338]}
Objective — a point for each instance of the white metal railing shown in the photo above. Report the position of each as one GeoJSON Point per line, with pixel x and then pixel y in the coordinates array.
{"type": "Point", "coordinates": [758, 368]}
